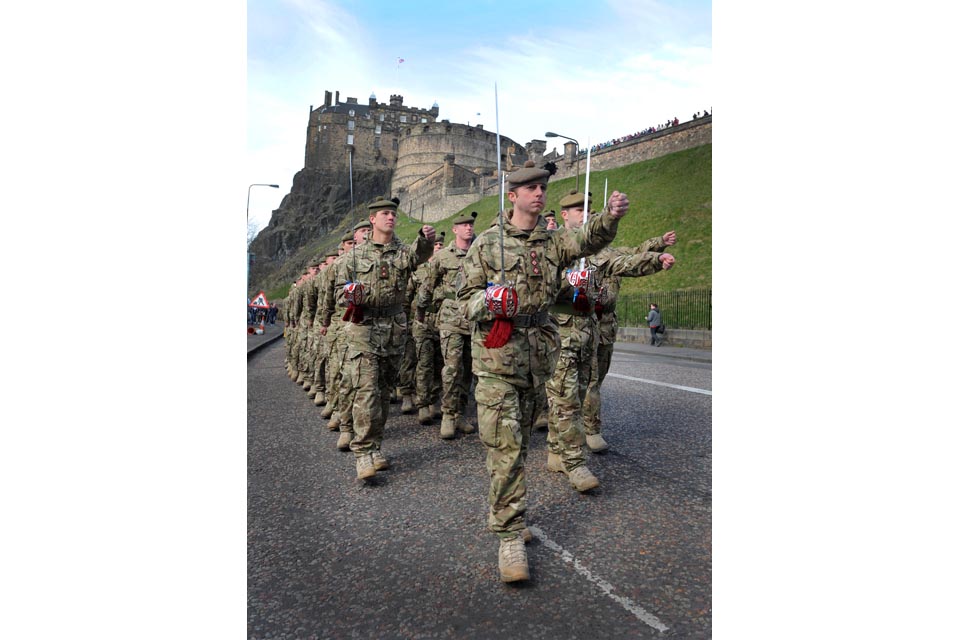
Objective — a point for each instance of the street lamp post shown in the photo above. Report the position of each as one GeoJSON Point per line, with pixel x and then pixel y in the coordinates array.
{"type": "Point", "coordinates": [257, 184]}
{"type": "Point", "coordinates": [551, 134]}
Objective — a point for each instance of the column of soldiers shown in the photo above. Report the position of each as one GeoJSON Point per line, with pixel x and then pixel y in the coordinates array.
{"type": "Point", "coordinates": [527, 314]}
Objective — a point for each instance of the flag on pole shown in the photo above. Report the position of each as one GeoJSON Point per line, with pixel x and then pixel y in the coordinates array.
{"type": "Point", "coordinates": [399, 60]}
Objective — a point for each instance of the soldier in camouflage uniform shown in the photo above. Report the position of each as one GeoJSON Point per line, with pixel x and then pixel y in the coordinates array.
{"type": "Point", "coordinates": [308, 359]}
{"type": "Point", "coordinates": [302, 325]}
{"type": "Point", "coordinates": [329, 340]}
{"type": "Point", "coordinates": [575, 314]}
{"type": "Point", "coordinates": [426, 340]}
{"type": "Point", "coordinates": [407, 381]}
{"type": "Point", "coordinates": [289, 324]}
{"type": "Point", "coordinates": [370, 283]}
{"type": "Point", "coordinates": [515, 344]}
{"type": "Point", "coordinates": [439, 291]}
{"type": "Point", "coordinates": [607, 320]}
{"type": "Point", "coordinates": [318, 383]}
{"type": "Point", "coordinates": [340, 413]}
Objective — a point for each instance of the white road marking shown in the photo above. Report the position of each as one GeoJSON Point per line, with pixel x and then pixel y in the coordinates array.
{"type": "Point", "coordinates": [605, 586]}
{"type": "Point", "coordinates": [705, 392]}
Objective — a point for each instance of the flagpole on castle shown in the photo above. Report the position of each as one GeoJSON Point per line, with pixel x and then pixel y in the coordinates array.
{"type": "Point", "coordinates": [399, 60]}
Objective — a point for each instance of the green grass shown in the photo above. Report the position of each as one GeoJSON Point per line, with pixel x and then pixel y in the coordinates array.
{"type": "Point", "coordinates": [673, 192]}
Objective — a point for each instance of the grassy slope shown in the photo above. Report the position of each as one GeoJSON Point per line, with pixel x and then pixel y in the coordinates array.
{"type": "Point", "coordinates": [670, 192]}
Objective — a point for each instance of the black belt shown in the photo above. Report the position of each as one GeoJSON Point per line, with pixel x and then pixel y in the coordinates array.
{"type": "Point", "coordinates": [383, 312]}
{"type": "Point", "coordinates": [569, 310]}
{"type": "Point", "coordinates": [537, 319]}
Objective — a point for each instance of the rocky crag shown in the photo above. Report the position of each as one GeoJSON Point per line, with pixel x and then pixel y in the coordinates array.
{"type": "Point", "coordinates": [311, 219]}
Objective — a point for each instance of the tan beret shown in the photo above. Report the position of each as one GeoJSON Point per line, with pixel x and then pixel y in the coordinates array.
{"type": "Point", "coordinates": [528, 175]}
{"type": "Point", "coordinates": [573, 199]}
{"type": "Point", "coordinates": [466, 219]}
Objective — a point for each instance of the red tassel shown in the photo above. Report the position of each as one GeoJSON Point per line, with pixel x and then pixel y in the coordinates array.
{"type": "Point", "coordinates": [582, 303]}
{"type": "Point", "coordinates": [354, 314]}
{"type": "Point", "coordinates": [499, 334]}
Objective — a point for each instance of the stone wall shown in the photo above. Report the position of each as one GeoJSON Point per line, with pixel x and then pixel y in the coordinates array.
{"type": "Point", "coordinates": [695, 338]}
{"type": "Point", "coordinates": [685, 135]}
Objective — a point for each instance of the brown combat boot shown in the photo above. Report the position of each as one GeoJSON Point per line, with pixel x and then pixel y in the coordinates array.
{"type": "Point", "coordinates": [448, 427]}
{"type": "Point", "coordinates": [582, 480]}
{"type": "Point", "coordinates": [300, 376]}
{"type": "Point", "coordinates": [343, 442]}
{"type": "Point", "coordinates": [334, 423]}
{"type": "Point", "coordinates": [423, 415]}
{"type": "Point", "coordinates": [327, 411]}
{"type": "Point", "coordinates": [320, 399]}
{"type": "Point", "coordinates": [407, 406]}
{"type": "Point", "coordinates": [554, 462]}
{"type": "Point", "coordinates": [464, 425]}
{"type": "Point", "coordinates": [513, 560]}
{"type": "Point", "coordinates": [380, 463]}
{"type": "Point", "coordinates": [365, 468]}
{"type": "Point", "coordinates": [596, 443]}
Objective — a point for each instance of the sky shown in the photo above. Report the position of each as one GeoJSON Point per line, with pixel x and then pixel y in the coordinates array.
{"type": "Point", "coordinates": [589, 71]}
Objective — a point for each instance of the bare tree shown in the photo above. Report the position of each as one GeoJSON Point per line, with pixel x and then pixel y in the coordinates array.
{"type": "Point", "coordinates": [252, 231]}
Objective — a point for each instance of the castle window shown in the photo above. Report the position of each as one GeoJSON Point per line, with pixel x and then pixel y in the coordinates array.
{"type": "Point", "coordinates": [381, 117]}
{"type": "Point", "coordinates": [376, 143]}
{"type": "Point", "coordinates": [379, 129]}
{"type": "Point", "coordinates": [351, 113]}
{"type": "Point", "coordinates": [350, 125]}
{"type": "Point", "coordinates": [422, 120]}
{"type": "Point", "coordinates": [403, 118]}
{"type": "Point", "coordinates": [349, 138]}
{"type": "Point", "coordinates": [396, 144]}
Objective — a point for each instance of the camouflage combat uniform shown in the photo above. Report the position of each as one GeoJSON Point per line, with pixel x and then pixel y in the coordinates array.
{"type": "Point", "coordinates": [507, 377]}
{"type": "Point", "coordinates": [426, 339]}
{"type": "Point", "coordinates": [439, 291]}
{"type": "Point", "coordinates": [610, 266]}
{"type": "Point", "coordinates": [577, 367]}
{"type": "Point", "coordinates": [374, 345]}
{"type": "Point", "coordinates": [406, 381]}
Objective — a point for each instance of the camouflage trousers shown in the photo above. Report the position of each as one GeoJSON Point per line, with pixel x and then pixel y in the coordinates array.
{"type": "Point", "coordinates": [566, 391]}
{"type": "Point", "coordinates": [339, 399]}
{"type": "Point", "coordinates": [592, 424]}
{"type": "Point", "coordinates": [505, 417]}
{"type": "Point", "coordinates": [296, 347]}
{"type": "Point", "coordinates": [429, 364]}
{"type": "Point", "coordinates": [321, 355]}
{"type": "Point", "coordinates": [457, 372]}
{"type": "Point", "coordinates": [304, 344]}
{"type": "Point", "coordinates": [407, 384]}
{"type": "Point", "coordinates": [365, 392]}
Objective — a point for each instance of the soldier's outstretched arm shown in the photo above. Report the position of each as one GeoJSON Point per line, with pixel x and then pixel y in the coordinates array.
{"type": "Point", "coordinates": [635, 265]}
{"type": "Point", "coordinates": [425, 292]}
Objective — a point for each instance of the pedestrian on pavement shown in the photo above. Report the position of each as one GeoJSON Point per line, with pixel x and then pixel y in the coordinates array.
{"type": "Point", "coordinates": [653, 319]}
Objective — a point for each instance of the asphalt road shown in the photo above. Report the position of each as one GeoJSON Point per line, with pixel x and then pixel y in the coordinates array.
{"type": "Point", "coordinates": [408, 555]}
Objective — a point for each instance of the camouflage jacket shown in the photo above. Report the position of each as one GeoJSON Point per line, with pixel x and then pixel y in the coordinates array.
{"type": "Point", "coordinates": [439, 289]}
{"type": "Point", "coordinates": [534, 261]}
{"type": "Point", "coordinates": [428, 326]}
{"type": "Point", "coordinates": [383, 270]}
{"type": "Point", "coordinates": [606, 262]}
{"type": "Point", "coordinates": [606, 268]}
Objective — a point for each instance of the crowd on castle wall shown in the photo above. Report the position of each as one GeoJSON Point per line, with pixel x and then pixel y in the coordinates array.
{"type": "Point", "coordinates": [653, 129]}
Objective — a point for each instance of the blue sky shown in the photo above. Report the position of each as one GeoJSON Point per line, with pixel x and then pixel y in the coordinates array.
{"type": "Point", "coordinates": [591, 71]}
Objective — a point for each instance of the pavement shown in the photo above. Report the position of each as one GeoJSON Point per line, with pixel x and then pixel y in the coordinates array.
{"type": "Point", "coordinates": [408, 555]}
